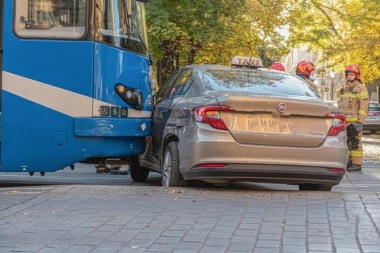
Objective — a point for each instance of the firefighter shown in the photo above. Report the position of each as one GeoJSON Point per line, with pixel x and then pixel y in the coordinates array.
{"type": "Point", "coordinates": [278, 66]}
{"type": "Point", "coordinates": [354, 104]}
{"type": "Point", "coordinates": [304, 70]}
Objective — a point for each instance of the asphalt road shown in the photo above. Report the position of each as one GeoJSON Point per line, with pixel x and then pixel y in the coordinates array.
{"type": "Point", "coordinates": [84, 174]}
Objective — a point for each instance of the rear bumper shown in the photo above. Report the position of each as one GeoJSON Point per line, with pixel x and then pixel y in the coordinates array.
{"type": "Point", "coordinates": [203, 145]}
{"type": "Point", "coordinates": [266, 174]}
{"type": "Point", "coordinates": [371, 126]}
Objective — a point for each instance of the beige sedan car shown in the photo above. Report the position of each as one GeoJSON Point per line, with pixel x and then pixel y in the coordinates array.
{"type": "Point", "coordinates": [223, 124]}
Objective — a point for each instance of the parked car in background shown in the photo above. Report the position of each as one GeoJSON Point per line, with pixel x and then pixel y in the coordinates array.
{"type": "Point", "coordinates": [222, 124]}
{"type": "Point", "coordinates": [372, 123]}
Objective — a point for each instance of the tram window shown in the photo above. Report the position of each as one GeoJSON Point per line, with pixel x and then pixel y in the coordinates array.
{"type": "Point", "coordinates": [121, 23]}
{"type": "Point", "coordinates": [50, 18]}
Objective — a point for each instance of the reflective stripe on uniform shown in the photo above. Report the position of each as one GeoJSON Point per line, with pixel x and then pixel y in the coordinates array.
{"type": "Point", "coordinates": [348, 119]}
{"type": "Point", "coordinates": [349, 95]}
{"type": "Point", "coordinates": [363, 95]}
{"type": "Point", "coordinates": [363, 113]}
{"type": "Point", "coordinates": [356, 153]}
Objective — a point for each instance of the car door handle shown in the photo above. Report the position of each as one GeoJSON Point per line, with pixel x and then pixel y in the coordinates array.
{"type": "Point", "coordinates": [162, 109]}
{"type": "Point", "coordinates": [166, 113]}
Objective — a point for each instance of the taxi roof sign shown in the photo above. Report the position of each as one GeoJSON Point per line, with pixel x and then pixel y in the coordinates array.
{"type": "Point", "coordinates": [243, 61]}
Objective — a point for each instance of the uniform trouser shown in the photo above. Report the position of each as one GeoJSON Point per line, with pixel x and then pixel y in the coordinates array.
{"type": "Point", "coordinates": [356, 156]}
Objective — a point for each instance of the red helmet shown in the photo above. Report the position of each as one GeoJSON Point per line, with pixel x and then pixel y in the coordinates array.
{"type": "Point", "coordinates": [305, 68]}
{"type": "Point", "coordinates": [278, 66]}
{"type": "Point", "coordinates": [353, 69]}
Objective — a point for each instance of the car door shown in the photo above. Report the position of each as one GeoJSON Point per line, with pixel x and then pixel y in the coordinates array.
{"type": "Point", "coordinates": [169, 94]}
{"type": "Point", "coordinates": [161, 110]}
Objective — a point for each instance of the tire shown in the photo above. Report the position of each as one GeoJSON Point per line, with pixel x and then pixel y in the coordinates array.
{"type": "Point", "coordinates": [138, 174]}
{"type": "Point", "coordinates": [373, 131]}
{"type": "Point", "coordinates": [171, 176]}
{"type": "Point", "coordinates": [314, 187]}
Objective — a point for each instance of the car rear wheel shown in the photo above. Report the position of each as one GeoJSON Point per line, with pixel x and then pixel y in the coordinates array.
{"type": "Point", "coordinates": [171, 176]}
{"type": "Point", "coordinates": [314, 187]}
{"type": "Point", "coordinates": [138, 173]}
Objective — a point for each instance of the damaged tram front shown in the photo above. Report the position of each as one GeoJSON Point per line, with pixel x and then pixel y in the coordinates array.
{"type": "Point", "coordinates": [75, 83]}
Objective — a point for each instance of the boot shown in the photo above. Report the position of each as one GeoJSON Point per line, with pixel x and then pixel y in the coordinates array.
{"type": "Point", "coordinates": [100, 168]}
{"type": "Point", "coordinates": [354, 168]}
{"type": "Point", "coordinates": [349, 164]}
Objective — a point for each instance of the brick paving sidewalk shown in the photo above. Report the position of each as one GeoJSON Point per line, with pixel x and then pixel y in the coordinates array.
{"type": "Point", "coordinates": [241, 218]}
{"type": "Point", "coordinates": [154, 219]}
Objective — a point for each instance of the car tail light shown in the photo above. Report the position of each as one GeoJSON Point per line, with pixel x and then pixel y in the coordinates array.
{"type": "Point", "coordinates": [340, 171]}
{"type": "Point", "coordinates": [339, 123]}
{"type": "Point", "coordinates": [211, 115]}
{"type": "Point", "coordinates": [211, 165]}
{"type": "Point", "coordinates": [374, 114]}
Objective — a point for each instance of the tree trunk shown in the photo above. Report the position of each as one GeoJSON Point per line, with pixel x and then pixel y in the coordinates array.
{"type": "Point", "coordinates": [194, 48]}
{"type": "Point", "coordinates": [169, 62]}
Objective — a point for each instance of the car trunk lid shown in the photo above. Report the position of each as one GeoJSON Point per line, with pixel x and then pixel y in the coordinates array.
{"type": "Point", "coordinates": [276, 121]}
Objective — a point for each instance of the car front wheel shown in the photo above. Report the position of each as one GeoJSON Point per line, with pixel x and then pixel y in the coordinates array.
{"type": "Point", "coordinates": [171, 176]}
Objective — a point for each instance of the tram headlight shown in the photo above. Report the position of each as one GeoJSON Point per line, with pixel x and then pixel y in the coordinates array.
{"type": "Point", "coordinates": [131, 96]}
{"type": "Point", "coordinates": [139, 96]}
{"type": "Point", "coordinates": [120, 88]}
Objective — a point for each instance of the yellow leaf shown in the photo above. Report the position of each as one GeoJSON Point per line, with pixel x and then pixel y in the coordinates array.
{"type": "Point", "coordinates": [13, 192]}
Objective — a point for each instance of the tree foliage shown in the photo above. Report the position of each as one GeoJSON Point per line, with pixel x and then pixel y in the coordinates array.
{"type": "Point", "coordinates": [343, 32]}
{"type": "Point", "coordinates": [347, 31]}
{"type": "Point", "coordinates": [184, 32]}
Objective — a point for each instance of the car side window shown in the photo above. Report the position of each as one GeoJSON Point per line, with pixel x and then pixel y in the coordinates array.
{"type": "Point", "coordinates": [164, 90]}
{"type": "Point", "coordinates": [182, 83]}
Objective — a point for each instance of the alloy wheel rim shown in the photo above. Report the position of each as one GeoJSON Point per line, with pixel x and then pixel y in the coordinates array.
{"type": "Point", "coordinates": [167, 168]}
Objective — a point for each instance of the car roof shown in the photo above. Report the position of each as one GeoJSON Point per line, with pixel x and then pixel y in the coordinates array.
{"type": "Point", "coordinates": [205, 67]}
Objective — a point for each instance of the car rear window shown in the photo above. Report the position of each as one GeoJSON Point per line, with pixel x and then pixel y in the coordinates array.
{"type": "Point", "coordinates": [374, 107]}
{"type": "Point", "coordinates": [256, 81]}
